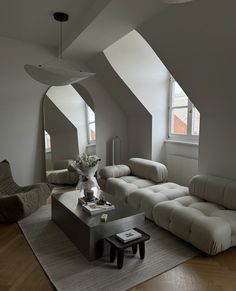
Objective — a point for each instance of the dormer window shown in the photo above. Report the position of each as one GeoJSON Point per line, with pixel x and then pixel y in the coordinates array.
{"type": "Point", "coordinates": [184, 118]}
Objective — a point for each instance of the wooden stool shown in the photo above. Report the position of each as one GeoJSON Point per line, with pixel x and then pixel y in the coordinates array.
{"type": "Point", "coordinates": [118, 247]}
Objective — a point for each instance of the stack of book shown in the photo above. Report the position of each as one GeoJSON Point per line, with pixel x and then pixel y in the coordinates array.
{"type": "Point", "coordinates": [94, 208]}
{"type": "Point", "coordinates": [128, 235]}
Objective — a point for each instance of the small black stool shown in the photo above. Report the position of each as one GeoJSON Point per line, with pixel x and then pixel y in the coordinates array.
{"type": "Point", "coordinates": [118, 247]}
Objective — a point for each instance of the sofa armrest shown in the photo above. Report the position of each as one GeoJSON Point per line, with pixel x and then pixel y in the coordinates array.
{"type": "Point", "coordinates": [148, 169]}
{"type": "Point", "coordinates": [114, 171]}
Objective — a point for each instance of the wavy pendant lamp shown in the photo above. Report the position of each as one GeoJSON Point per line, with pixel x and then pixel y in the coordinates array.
{"type": "Point", "coordinates": [56, 75]}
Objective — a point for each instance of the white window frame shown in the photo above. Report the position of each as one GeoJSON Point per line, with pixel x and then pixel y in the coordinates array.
{"type": "Point", "coordinates": [90, 142]}
{"type": "Point", "coordinates": [189, 137]}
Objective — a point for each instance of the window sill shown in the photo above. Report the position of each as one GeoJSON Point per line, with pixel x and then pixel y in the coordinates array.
{"type": "Point", "coordinates": [189, 143]}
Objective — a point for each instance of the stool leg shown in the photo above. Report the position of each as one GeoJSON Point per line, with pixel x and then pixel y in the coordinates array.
{"type": "Point", "coordinates": [134, 248]}
{"type": "Point", "coordinates": [142, 250]}
{"type": "Point", "coordinates": [112, 253]}
{"type": "Point", "coordinates": [120, 259]}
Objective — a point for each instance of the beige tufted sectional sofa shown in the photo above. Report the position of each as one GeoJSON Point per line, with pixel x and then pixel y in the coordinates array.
{"type": "Point", "coordinates": [141, 183]}
{"type": "Point", "coordinates": [203, 214]}
{"type": "Point", "coordinates": [206, 218]}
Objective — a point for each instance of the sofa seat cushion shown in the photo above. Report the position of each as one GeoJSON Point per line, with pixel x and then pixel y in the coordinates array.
{"type": "Point", "coordinates": [146, 198]}
{"type": "Point", "coordinates": [123, 186]}
{"type": "Point", "coordinates": [208, 226]}
{"type": "Point", "coordinates": [230, 216]}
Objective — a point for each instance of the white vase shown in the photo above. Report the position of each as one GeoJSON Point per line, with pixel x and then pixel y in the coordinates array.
{"type": "Point", "coordinates": [88, 181]}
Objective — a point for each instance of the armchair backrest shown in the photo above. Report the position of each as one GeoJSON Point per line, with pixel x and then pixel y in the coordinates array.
{"type": "Point", "coordinates": [7, 184]}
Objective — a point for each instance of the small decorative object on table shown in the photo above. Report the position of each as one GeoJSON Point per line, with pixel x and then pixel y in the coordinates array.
{"type": "Point", "coordinates": [104, 217]}
{"type": "Point", "coordinates": [87, 166]}
{"type": "Point", "coordinates": [117, 246]}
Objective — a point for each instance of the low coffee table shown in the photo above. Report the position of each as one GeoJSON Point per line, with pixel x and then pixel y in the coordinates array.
{"type": "Point", "coordinates": [88, 232]}
{"type": "Point", "coordinates": [118, 247]}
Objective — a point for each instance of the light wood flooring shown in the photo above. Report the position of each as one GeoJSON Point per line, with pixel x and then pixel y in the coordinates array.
{"type": "Point", "coordinates": [20, 270]}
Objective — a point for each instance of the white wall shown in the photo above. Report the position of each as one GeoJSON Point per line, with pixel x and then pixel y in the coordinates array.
{"type": "Point", "coordinates": [146, 76]}
{"type": "Point", "coordinates": [217, 153]}
{"type": "Point", "coordinates": [132, 109]}
{"type": "Point", "coordinates": [21, 119]}
{"type": "Point", "coordinates": [71, 104]}
{"type": "Point", "coordinates": [110, 121]}
{"type": "Point", "coordinates": [181, 161]}
{"type": "Point", "coordinates": [63, 134]}
{"type": "Point", "coordinates": [200, 54]}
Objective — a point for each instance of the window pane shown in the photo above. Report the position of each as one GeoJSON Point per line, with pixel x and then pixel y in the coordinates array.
{"type": "Point", "coordinates": [47, 141]}
{"type": "Point", "coordinates": [92, 132]}
{"type": "Point", "coordinates": [179, 98]}
{"type": "Point", "coordinates": [179, 118]}
{"type": "Point", "coordinates": [195, 121]}
{"type": "Point", "coordinates": [91, 115]}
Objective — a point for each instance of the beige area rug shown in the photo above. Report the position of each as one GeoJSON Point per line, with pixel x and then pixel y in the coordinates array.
{"type": "Point", "coordinates": [69, 270]}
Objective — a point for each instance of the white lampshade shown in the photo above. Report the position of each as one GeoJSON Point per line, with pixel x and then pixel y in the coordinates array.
{"type": "Point", "coordinates": [56, 76]}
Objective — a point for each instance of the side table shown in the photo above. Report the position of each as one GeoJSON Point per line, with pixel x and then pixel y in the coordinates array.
{"type": "Point", "coordinates": [117, 247]}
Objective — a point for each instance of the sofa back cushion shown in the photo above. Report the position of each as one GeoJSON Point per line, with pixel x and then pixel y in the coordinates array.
{"type": "Point", "coordinates": [7, 184]}
{"type": "Point", "coordinates": [114, 171]}
{"type": "Point", "coordinates": [214, 189]}
{"type": "Point", "coordinates": [148, 169]}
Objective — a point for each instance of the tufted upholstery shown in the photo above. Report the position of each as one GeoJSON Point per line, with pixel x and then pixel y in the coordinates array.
{"type": "Point", "coordinates": [114, 171]}
{"type": "Point", "coordinates": [146, 198]}
{"type": "Point", "coordinates": [147, 169]}
{"type": "Point", "coordinates": [202, 218]}
{"type": "Point", "coordinates": [7, 184]}
{"type": "Point", "coordinates": [214, 189]}
{"type": "Point", "coordinates": [141, 183]}
{"type": "Point", "coordinates": [17, 202]}
{"type": "Point", "coordinates": [121, 180]}
{"type": "Point", "coordinates": [121, 187]}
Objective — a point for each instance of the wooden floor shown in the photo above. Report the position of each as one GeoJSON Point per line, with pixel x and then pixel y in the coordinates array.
{"type": "Point", "coordinates": [20, 270]}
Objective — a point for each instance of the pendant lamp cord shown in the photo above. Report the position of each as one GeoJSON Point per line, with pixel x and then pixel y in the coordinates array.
{"type": "Point", "coordinates": [60, 42]}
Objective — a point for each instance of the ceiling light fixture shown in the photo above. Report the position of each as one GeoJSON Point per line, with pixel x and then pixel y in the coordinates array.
{"type": "Point", "coordinates": [57, 75]}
